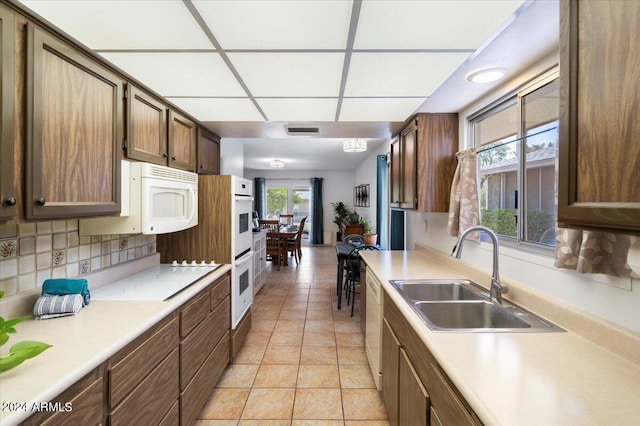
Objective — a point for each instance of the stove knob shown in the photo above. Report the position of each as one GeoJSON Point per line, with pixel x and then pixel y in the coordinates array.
{"type": "Point", "coordinates": [194, 263]}
{"type": "Point", "coordinates": [212, 263]}
{"type": "Point", "coordinates": [184, 263]}
{"type": "Point", "coordinates": [203, 263]}
{"type": "Point", "coordinates": [174, 263]}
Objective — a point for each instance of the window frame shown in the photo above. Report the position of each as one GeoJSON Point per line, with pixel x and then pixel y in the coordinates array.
{"type": "Point", "coordinates": [517, 95]}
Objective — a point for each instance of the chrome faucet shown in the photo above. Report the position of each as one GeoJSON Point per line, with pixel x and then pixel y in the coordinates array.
{"type": "Point", "coordinates": [497, 289]}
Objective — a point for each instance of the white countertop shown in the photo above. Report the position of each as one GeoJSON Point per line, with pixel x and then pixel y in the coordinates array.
{"type": "Point", "coordinates": [519, 378]}
{"type": "Point", "coordinates": [80, 344]}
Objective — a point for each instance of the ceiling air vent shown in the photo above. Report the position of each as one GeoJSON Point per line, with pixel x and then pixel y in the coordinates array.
{"type": "Point", "coordinates": [302, 131]}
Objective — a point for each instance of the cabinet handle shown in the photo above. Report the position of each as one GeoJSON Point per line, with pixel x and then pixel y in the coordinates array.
{"type": "Point", "coordinates": [173, 158]}
{"type": "Point", "coordinates": [165, 155]}
{"type": "Point", "coordinates": [41, 201]}
{"type": "Point", "coordinates": [10, 201]}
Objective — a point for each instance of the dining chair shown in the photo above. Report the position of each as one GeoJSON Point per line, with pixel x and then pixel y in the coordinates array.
{"type": "Point", "coordinates": [353, 238]}
{"type": "Point", "coordinates": [353, 273]}
{"type": "Point", "coordinates": [286, 219]}
{"type": "Point", "coordinates": [274, 245]}
{"type": "Point", "coordinates": [294, 245]}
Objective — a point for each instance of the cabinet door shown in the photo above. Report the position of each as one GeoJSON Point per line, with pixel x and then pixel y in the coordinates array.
{"type": "Point", "coordinates": [146, 127]}
{"type": "Point", "coordinates": [408, 143]}
{"type": "Point", "coordinates": [208, 153]}
{"type": "Point", "coordinates": [413, 406]}
{"type": "Point", "coordinates": [599, 152]}
{"type": "Point", "coordinates": [390, 372]}
{"type": "Point", "coordinates": [74, 132]}
{"type": "Point", "coordinates": [7, 189]}
{"type": "Point", "coordinates": [396, 170]}
{"type": "Point", "coordinates": [182, 142]}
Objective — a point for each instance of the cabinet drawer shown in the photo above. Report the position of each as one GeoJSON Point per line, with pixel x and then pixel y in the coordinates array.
{"type": "Point", "coordinates": [194, 312]}
{"type": "Point", "coordinates": [220, 290]}
{"type": "Point", "coordinates": [449, 406]}
{"type": "Point", "coordinates": [87, 401]}
{"type": "Point", "coordinates": [196, 394]}
{"type": "Point", "coordinates": [196, 347]}
{"type": "Point", "coordinates": [136, 360]}
{"type": "Point", "coordinates": [148, 403]}
{"type": "Point", "coordinates": [173, 416]}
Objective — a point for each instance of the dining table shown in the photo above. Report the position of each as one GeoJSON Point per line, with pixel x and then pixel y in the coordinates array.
{"type": "Point", "coordinates": [283, 235]}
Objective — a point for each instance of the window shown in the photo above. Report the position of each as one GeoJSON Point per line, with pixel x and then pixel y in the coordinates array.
{"type": "Point", "coordinates": [517, 143]}
{"type": "Point", "coordinates": [290, 197]}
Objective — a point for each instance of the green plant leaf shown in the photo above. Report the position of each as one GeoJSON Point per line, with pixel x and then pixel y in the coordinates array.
{"type": "Point", "coordinates": [6, 325]}
{"type": "Point", "coordinates": [4, 337]}
{"type": "Point", "coordinates": [20, 352]}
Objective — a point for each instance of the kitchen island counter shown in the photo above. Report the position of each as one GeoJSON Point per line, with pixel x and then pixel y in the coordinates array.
{"type": "Point", "coordinates": [586, 375]}
{"type": "Point", "coordinates": [80, 343]}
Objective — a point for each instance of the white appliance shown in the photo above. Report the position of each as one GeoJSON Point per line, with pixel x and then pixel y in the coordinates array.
{"type": "Point", "coordinates": [242, 272]}
{"type": "Point", "coordinates": [155, 200]}
{"type": "Point", "coordinates": [373, 328]}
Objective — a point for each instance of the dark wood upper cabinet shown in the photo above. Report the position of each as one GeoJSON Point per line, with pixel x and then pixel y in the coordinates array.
{"type": "Point", "coordinates": [599, 148]}
{"type": "Point", "coordinates": [146, 127]}
{"type": "Point", "coordinates": [208, 152]}
{"type": "Point", "coordinates": [423, 163]}
{"type": "Point", "coordinates": [8, 196]}
{"type": "Point", "coordinates": [182, 142]}
{"type": "Point", "coordinates": [73, 131]}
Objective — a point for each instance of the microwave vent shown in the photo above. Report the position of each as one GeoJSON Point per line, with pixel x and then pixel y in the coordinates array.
{"type": "Point", "coordinates": [174, 174]}
{"type": "Point", "coordinates": [302, 131]}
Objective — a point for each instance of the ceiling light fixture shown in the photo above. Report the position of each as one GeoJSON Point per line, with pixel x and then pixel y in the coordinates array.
{"type": "Point", "coordinates": [487, 75]}
{"type": "Point", "coordinates": [276, 164]}
{"type": "Point", "coordinates": [354, 145]}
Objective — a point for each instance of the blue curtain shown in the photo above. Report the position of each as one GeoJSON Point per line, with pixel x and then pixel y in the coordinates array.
{"type": "Point", "coordinates": [316, 236]}
{"type": "Point", "coordinates": [382, 202]}
{"type": "Point", "coordinates": [260, 197]}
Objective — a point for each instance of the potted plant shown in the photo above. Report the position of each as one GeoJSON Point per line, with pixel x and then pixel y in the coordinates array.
{"type": "Point", "coordinates": [341, 217]}
{"type": "Point", "coordinates": [369, 238]}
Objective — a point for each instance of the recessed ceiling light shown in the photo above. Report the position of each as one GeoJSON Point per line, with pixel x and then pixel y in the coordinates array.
{"type": "Point", "coordinates": [487, 75]}
{"type": "Point", "coordinates": [276, 164]}
{"type": "Point", "coordinates": [354, 145]}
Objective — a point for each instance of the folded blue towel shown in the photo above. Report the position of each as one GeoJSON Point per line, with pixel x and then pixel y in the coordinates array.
{"type": "Point", "coordinates": [61, 286]}
{"type": "Point", "coordinates": [57, 306]}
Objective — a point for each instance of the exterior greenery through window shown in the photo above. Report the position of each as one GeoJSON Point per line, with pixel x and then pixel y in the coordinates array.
{"type": "Point", "coordinates": [289, 198]}
{"type": "Point", "coordinates": [517, 148]}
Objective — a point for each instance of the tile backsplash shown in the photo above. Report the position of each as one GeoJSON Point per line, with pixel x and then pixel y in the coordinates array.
{"type": "Point", "coordinates": [33, 252]}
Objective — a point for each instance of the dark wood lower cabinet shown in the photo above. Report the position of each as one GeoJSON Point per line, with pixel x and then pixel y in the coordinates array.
{"type": "Point", "coordinates": [159, 378]}
{"type": "Point", "coordinates": [415, 390]}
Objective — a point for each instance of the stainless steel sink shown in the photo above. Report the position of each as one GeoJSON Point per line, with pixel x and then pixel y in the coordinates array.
{"type": "Point", "coordinates": [464, 306]}
{"type": "Point", "coordinates": [434, 290]}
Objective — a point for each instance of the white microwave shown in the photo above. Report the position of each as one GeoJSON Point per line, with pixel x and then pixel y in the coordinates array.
{"type": "Point", "coordinates": [155, 200]}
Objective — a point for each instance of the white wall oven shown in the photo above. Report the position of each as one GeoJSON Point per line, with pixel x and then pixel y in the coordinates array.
{"type": "Point", "coordinates": [242, 274]}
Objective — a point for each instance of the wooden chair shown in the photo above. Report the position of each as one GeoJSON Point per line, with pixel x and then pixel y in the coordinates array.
{"type": "Point", "coordinates": [274, 245]}
{"type": "Point", "coordinates": [286, 219]}
{"type": "Point", "coordinates": [294, 245]}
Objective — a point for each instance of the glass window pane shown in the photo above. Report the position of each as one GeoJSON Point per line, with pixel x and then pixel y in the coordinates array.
{"type": "Point", "coordinates": [498, 187]}
{"type": "Point", "coordinates": [500, 124]}
{"type": "Point", "coordinates": [276, 201]}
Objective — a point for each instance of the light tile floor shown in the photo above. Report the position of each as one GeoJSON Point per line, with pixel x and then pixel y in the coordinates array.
{"type": "Point", "coordinates": [304, 361]}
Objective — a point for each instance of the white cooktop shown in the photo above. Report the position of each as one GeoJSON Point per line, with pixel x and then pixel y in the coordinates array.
{"type": "Point", "coordinates": [157, 283]}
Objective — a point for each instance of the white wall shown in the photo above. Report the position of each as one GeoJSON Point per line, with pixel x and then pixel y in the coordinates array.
{"type": "Point", "coordinates": [607, 297]}
{"type": "Point", "coordinates": [231, 157]}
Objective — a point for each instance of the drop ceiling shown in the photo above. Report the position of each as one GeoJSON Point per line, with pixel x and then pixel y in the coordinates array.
{"type": "Point", "coordinates": [249, 68]}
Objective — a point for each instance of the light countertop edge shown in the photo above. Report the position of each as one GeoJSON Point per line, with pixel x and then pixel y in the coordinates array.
{"type": "Point", "coordinates": [99, 331]}
{"type": "Point", "coordinates": [518, 378]}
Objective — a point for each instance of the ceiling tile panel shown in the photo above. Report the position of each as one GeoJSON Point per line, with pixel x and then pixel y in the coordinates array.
{"type": "Point", "coordinates": [433, 24]}
{"type": "Point", "coordinates": [179, 74]}
{"type": "Point", "coordinates": [400, 74]}
{"type": "Point", "coordinates": [108, 24]}
{"type": "Point", "coordinates": [290, 74]}
{"type": "Point", "coordinates": [278, 24]}
{"type": "Point", "coordinates": [378, 109]}
{"type": "Point", "coordinates": [288, 109]}
{"type": "Point", "coordinates": [219, 109]}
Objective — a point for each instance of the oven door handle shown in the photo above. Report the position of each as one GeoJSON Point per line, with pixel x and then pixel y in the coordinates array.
{"type": "Point", "coordinates": [194, 204]}
{"type": "Point", "coordinates": [244, 259]}
{"type": "Point", "coordinates": [243, 198]}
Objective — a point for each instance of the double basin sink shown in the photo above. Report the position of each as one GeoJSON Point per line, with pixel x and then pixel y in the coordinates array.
{"type": "Point", "coordinates": [462, 305]}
